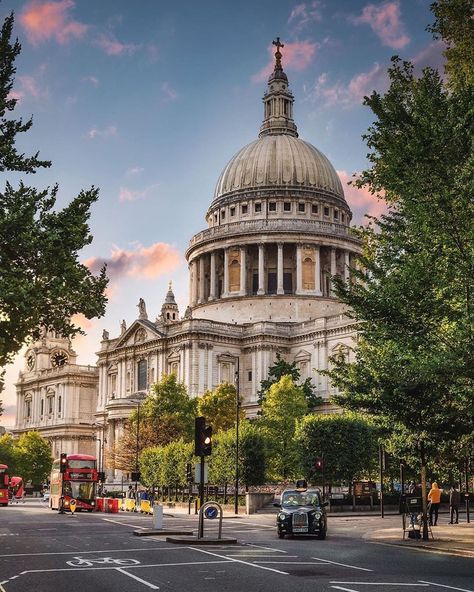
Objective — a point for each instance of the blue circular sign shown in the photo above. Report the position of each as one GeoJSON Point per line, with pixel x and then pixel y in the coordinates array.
{"type": "Point", "coordinates": [210, 512]}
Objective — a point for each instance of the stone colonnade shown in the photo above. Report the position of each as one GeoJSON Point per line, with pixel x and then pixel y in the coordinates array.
{"type": "Point", "coordinates": [266, 268]}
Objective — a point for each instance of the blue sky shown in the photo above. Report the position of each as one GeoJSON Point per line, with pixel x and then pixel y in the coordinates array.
{"type": "Point", "coordinates": [148, 100]}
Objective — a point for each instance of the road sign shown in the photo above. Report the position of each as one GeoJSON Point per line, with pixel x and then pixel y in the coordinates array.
{"type": "Point", "coordinates": [211, 512]}
{"type": "Point", "coordinates": [197, 473]}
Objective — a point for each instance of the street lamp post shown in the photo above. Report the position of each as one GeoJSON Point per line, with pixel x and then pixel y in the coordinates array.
{"type": "Point", "coordinates": [237, 415]}
{"type": "Point", "coordinates": [137, 447]}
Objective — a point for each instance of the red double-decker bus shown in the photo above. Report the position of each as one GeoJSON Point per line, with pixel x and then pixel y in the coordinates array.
{"type": "Point", "coordinates": [77, 481]}
{"type": "Point", "coordinates": [4, 483]}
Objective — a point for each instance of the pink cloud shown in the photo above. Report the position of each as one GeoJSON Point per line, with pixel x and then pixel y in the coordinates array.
{"type": "Point", "coordinates": [361, 201]}
{"type": "Point", "coordinates": [115, 48]}
{"type": "Point", "coordinates": [296, 56]}
{"type": "Point", "coordinates": [304, 14]}
{"type": "Point", "coordinates": [384, 20]}
{"type": "Point", "coordinates": [81, 321]}
{"type": "Point", "coordinates": [43, 21]}
{"type": "Point", "coordinates": [130, 195]}
{"type": "Point", "coordinates": [145, 262]}
{"type": "Point", "coordinates": [106, 132]}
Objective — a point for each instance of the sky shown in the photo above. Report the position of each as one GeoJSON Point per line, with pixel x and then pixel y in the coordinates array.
{"type": "Point", "coordinates": [148, 100]}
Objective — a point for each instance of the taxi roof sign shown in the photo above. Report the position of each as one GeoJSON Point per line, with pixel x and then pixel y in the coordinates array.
{"type": "Point", "coordinates": [301, 485]}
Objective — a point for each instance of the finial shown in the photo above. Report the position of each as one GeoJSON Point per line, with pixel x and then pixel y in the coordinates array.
{"type": "Point", "coordinates": [170, 283]}
{"type": "Point", "coordinates": [278, 45]}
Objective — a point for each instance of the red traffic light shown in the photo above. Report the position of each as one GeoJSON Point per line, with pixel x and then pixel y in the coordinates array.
{"type": "Point", "coordinates": [319, 464]}
{"type": "Point", "coordinates": [63, 462]}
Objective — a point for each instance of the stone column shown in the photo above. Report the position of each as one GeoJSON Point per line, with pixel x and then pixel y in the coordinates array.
{"type": "Point", "coordinates": [333, 269]}
{"type": "Point", "coordinates": [346, 266]}
{"type": "Point", "coordinates": [212, 288]}
{"type": "Point", "coordinates": [190, 291]}
{"type": "Point", "coordinates": [317, 270]}
{"type": "Point", "coordinates": [202, 284]}
{"type": "Point", "coordinates": [194, 283]}
{"type": "Point", "coordinates": [243, 271]}
{"type": "Point", "coordinates": [299, 271]}
{"type": "Point", "coordinates": [280, 289]}
{"type": "Point", "coordinates": [261, 270]}
{"type": "Point", "coordinates": [226, 274]}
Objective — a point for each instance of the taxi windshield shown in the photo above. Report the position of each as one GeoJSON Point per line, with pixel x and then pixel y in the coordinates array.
{"type": "Point", "coordinates": [293, 498]}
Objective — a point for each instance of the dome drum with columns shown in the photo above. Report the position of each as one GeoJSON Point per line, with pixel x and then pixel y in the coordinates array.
{"type": "Point", "coordinates": [278, 226]}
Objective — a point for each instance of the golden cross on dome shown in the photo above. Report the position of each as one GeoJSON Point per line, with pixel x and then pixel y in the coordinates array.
{"type": "Point", "coordinates": [278, 45]}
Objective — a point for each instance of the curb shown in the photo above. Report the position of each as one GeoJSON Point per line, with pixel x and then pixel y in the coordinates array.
{"type": "Point", "coordinates": [205, 541]}
{"type": "Point", "coordinates": [423, 547]}
{"type": "Point", "coordinates": [161, 532]}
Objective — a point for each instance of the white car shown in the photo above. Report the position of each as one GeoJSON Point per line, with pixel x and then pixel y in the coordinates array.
{"type": "Point", "coordinates": [46, 496]}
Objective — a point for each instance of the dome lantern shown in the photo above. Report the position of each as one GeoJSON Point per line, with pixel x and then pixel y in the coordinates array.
{"type": "Point", "coordinates": [278, 101]}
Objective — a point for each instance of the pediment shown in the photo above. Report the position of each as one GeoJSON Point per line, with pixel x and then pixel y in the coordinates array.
{"type": "Point", "coordinates": [140, 331]}
{"type": "Point", "coordinates": [303, 356]}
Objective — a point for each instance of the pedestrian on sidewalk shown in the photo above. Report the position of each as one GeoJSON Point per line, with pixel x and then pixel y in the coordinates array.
{"type": "Point", "coordinates": [454, 501]}
{"type": "Point", "coordinates": [434, 497]}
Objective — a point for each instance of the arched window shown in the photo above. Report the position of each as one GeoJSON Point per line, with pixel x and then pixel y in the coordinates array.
{"type": "Point", "coordinates": [308, 274]}
{"type": "Point", "coordinates": [234, 276]}
{"type": "Point", "coordinates": [142, 375]}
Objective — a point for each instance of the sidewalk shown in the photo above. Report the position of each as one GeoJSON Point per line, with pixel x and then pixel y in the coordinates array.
{"type": "Point", "coordinates": [456, 539]}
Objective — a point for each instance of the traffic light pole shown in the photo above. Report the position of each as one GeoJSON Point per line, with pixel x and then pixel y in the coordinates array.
{"type": "Point", "coordinates": [237, 413]}
{"type": "Point", "coordinates": [201, 492]}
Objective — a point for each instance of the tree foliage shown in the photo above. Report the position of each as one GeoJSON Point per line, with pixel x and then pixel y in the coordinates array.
{"type": "Point", "coordinates": [42, 283]}
{"type": "Point", "coordinates": [219, 407]}
{"type": "Point", "coordinates": [283, 368]}
{"type": "Point", "coordinates": [347, 443]}
{"type": "Point", "coordinates": [284, 404]}
{"type": "Point", "coordinates": [34, 460]}
{"type": "Point", "coordinates": [165, 465]}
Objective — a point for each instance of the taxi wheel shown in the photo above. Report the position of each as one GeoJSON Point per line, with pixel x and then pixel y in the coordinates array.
{"type": "Point", "coordinates": [322, 534]}
{"type": "Point", "coordinates": [281, 535]}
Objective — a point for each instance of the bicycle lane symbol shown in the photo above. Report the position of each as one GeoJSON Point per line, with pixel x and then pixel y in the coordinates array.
{"type": "Point", "coordinates": [117, 562]}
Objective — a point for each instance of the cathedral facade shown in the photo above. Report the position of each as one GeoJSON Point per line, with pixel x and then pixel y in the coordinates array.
{"type": "Point", "coordinates": [278, 228]}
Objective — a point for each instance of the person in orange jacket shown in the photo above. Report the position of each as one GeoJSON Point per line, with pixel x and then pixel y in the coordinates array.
{"type": "Point", "coordinates": [434, 497]}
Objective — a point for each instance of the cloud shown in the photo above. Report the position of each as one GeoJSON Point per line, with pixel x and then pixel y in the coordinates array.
{"type": "Point", "coordinates": [92, 80]}
{"type": "Point", "coordinates": [305, 14]}
{"type": "Point", "coordinates": [170, 93]}
{"type": "Point", "coordinates": [296, 56]}
{"type": "Point", "coordinates": [131, 172]}
{"type": "Point", "coordinates": [131, 195]}
{"type": "Point", "coordinates": [432, 56]}
{"type": "Point", "coordinates": [113, 47]}
{"type": "Point", "coordinates": [106, 132]}
{"type": "Point", "coordinates": [351, 94]}
{"type": "Point", "coordinates": [81, 321]}
{"type": "Point", "coordinates": [143, 262]}
{"type": "Point", "coordinates": [43, 21]}
{"type": "Point", "coordinates": [384, 20]}
{"type": "Point", "coordinates": [361, 201]}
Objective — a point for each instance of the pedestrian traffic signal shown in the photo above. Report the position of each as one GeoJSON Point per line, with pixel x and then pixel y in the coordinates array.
{"type": "Point", "coordinates": [319, 464]}
{"type": "Point", "coordinates": [101, 476]}
{"type": "Point", "coordinates": [135, 475]}
{"type": "Point", "coordinates": [202, 437]}
{"type": "Point", "coordinates": [63, 462]}
{"type": "Point", "coordinates": [189, 473]}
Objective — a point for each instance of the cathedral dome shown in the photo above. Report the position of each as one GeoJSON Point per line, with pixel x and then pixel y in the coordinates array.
{"type": "Point", "coordinates": [281, 160]}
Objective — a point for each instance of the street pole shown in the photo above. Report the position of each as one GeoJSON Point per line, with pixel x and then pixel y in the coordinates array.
{"type": "Point", "coordinates": [381, 463]}
{"type": "Point", "coordinates": [466, 495]}
{"type": "Point", "coordinates": [237, 414]}
{"type": "Point", "coordinates": [136, 454]}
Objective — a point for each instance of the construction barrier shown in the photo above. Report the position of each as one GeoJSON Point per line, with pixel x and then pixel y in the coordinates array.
{"type": "Point", "coordinates": [99, 504]}
{"type": "Point", "coordinates": [112, 505]}
{"type": "Point", "coordinates": [128, 505]}
{"type": "Point", "coordinates": [146, 507]}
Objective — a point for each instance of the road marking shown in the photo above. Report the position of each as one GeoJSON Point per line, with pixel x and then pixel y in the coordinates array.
{"type": "Point", "coordinates": [123, 523]}
{"type": "Point", "coordinates": [239, 561]}
{"type": "Point", "coordinates": [342, 564]}
{"type": "Point", "coordinates": [126, 567]}
{"type": "Point", "coordinates": [141, 549]}
{"type": "Point", "coordinates": [152, 586]}
{"type": "Point", "coordinates": [268, 548]}
{"type": "Point", "coordinates": [291, 562]}
{"type": "Point", "coordinates": [259, 555]}
{"type": "Point", "coordinates": [377, 583]}
{"type": "Point", "coordinates": [444, 586]}
{"type": "Point", "coordinates": [345, 589]}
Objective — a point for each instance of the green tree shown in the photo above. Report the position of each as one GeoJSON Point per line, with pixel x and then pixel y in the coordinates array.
{"type": "Point", "coordinates": [9, 454]}
{"type": "Point", "coordinates": [42, 283]}
{"type": "Point", "coordinates": [34, 458]}
{"type": "Point", "coordinates": [219, 407]}
{"type": "Point", "coordinates": [347, 443]}
{"type": "Point", "coordinates": [282, 407]}
{"type": "Point", "coordinates": [414, 364]}
{"type": "Point", "coordinates": [455, 25]}
{"type": "Point", "coordinates": [283, 368]}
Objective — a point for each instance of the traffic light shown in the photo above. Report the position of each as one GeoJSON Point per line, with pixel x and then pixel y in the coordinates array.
{"type": "Point", "coordinates": [101, 476]}
{"type": "Point", "coordinates": [189, 473]}
{"type": "Point", "coordinates": [319, 464]}
{"type": "Point", "coordinates": [135, 475]}
{"type": "Point", "coordinates": [202, 437]}
{"type": "Point", "coordinates": [63, 462]}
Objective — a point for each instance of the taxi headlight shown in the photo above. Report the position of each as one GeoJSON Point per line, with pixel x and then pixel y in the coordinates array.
{"type": "Point", "coordinates": [317, 515]}
{"type": "Point", "coordinates": [282, 516]}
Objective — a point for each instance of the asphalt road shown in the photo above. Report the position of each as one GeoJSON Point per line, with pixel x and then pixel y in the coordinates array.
{"type": "Point", "coordinates": [43, 551]}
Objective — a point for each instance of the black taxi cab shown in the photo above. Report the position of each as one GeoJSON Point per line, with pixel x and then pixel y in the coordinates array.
{"type": "Point", "coordinates": [302, 512]}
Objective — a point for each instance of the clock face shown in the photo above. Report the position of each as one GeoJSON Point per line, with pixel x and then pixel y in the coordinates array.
{"type": "Point", "coordinates": [30, 361]}
{"type": "Point", "coordinates": [59, 359]}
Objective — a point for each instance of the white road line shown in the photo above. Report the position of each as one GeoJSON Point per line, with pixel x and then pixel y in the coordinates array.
{"type": "Point", "coordinates": [152, 586]}
{"type": "Point", "coordinates": [123, 523]}
{"type": "Point", "coordinates": [444, 586]}
{"type": "Point", "coordinates": [111, 567]}
{"type": "Point", "coordinates": [345, 589]}
{"type": "Point", "coordinates": [377, 583]}
{"type": "Point", "coordinates": [239, 561]}
{"type": "Point", "coordinates": [268, 548]}
{"type": "Point", "coordinates": [140, 550]}
{"type": "Point", "coordinates": [341, 564]}
{"type": "Point", "coordinates": [259, 555]}
{"type": "Point", "coordinates": [289, 562]}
